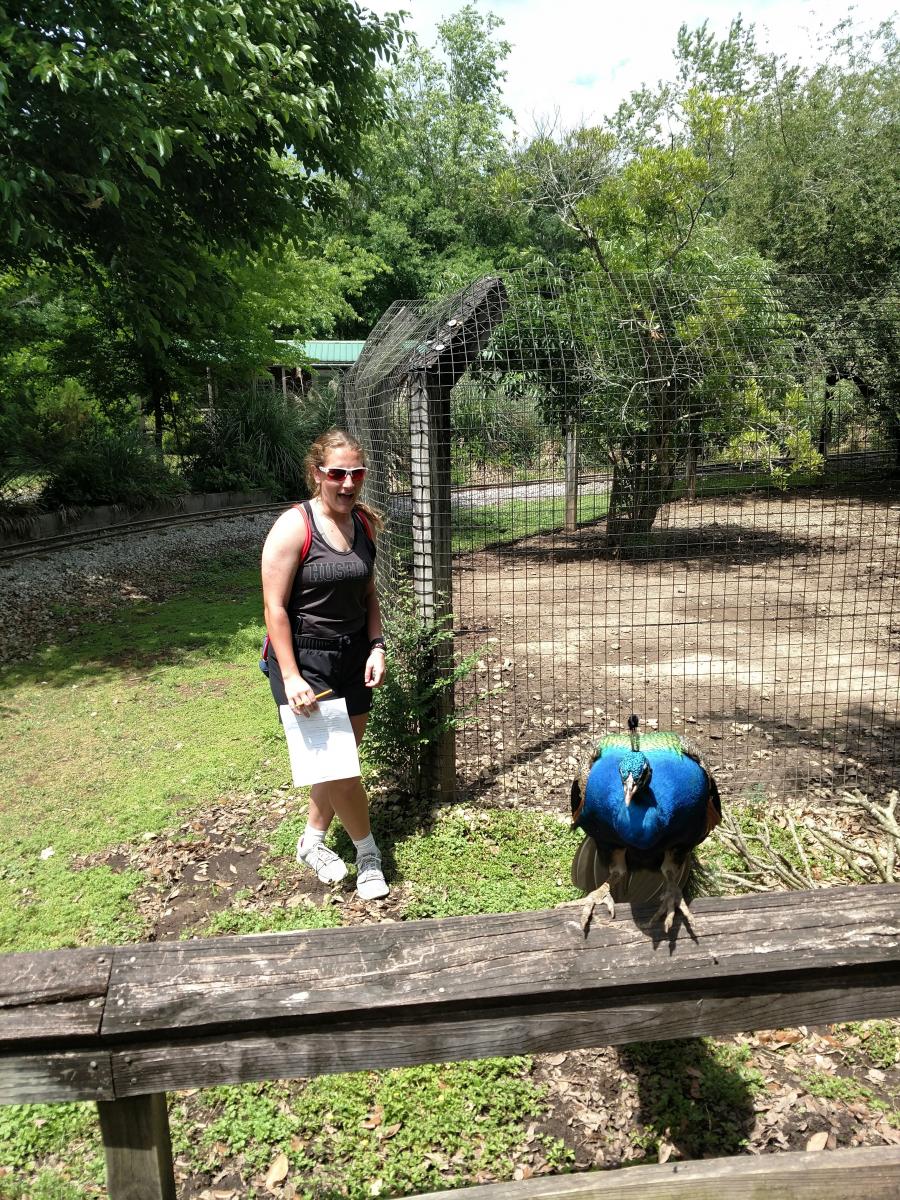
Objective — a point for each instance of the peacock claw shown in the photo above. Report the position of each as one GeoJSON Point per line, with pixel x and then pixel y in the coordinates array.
{"type": "Point", "coordinates": [673, 902]}
{"type": "Point", "coordinates": [601, 895]}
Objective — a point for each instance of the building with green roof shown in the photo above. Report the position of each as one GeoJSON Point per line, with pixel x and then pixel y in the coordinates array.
{"type": "Point", "coordinates": [319, 361]}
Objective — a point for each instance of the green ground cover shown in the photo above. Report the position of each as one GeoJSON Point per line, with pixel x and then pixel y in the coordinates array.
{"type": "Point", "coordinates": [128, 726]}
{"type": "Point", "coordinates": [475, 528]}
{"type": "Point", "coordinates": [113, 735]}
{"type": "Point", "coordinates": [399, 1132]}
{"type": "Point", "coordinates": [124, 731]}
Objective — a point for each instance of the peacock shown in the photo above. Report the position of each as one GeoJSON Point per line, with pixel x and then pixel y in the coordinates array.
{"type": "Point", "coordinates": [644, 801]}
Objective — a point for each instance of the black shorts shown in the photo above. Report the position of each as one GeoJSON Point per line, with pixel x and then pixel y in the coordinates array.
{"type": "Point", "coordinates": [336, 663]}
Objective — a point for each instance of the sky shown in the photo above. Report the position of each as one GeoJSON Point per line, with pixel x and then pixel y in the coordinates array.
{"type": "Point", "coordinates": [575, 60]}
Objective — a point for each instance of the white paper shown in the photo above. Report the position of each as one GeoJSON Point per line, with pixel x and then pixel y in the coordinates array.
{"type": "Point", "coordinates": [321, 746]}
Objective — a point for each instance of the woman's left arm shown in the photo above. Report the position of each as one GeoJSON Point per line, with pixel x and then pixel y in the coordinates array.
{"type": "Point", "coordinates": [376, 661]}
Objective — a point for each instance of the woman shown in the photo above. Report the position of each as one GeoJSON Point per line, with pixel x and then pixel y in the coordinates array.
{"type": "Point", "coordinates": [324, 628]}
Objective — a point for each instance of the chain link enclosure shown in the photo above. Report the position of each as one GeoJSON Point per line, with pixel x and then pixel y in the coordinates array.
{"type": "Point", "coordinates": [668, 494]}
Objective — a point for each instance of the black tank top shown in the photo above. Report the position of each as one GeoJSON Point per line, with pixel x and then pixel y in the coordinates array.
{"type": "Point", "coordinates": [328, 595]}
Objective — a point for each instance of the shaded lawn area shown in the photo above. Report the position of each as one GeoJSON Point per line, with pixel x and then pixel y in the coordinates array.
{"type": "Point", "coordinates": [474, 527]}
{"type": "Point", "coordinates": [131, 724]}
{"type": "Point", "coordinates": [124, 732]}
{"type": "Point", "coordinates": [117, 733]}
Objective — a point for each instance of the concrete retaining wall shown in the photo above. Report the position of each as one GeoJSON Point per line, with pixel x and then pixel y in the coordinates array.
{"type": "Point", "coordinates": [110, 515]}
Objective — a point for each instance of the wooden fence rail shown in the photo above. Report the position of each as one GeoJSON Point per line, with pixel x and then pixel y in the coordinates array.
{"type": "Point", "coordinates": [123, 1025]}
{"type": "Point", "coordinates": [870, 1174]}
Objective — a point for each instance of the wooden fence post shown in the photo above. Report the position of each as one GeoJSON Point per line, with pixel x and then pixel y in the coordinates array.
{"type": "Point", "coordinates": [571, 432]}
{"type": "Point", "coordinates": [429, 430]}
{"type": "Point", "coordinates": [138, 1148]}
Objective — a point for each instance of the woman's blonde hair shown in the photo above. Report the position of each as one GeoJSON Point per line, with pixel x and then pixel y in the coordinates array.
{"type": "Point", "coordinates": [336, 439]}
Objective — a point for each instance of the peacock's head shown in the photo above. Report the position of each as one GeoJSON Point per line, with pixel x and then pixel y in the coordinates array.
{"type": "Point", "coordinates": [635, 771]}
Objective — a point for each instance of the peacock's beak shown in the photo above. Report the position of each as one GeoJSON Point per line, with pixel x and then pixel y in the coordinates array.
{"type": "Point", "coordinates": [630, 789]}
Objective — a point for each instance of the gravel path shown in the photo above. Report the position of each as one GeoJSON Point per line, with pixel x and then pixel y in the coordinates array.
{"type": "Point", "coordinates": [45, 600]}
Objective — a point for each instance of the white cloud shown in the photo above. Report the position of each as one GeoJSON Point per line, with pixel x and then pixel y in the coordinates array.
{"type": "Point", "coordinates": [580, 58]}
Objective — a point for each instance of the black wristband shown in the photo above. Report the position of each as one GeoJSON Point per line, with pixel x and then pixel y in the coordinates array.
{"type": "Point", "coordinates": [378, 644]}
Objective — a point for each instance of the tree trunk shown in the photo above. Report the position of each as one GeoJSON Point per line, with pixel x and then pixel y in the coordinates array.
{"type": "Point", "coordinates": [637, 495]}
{"type": "Point", "coordinates": [157, 401]}
{"type": "Point", "coordinates": [644, 473]}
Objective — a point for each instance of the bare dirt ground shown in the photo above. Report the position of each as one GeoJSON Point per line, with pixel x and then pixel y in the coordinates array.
{"type": "Point", "coordinates": [765, 627]}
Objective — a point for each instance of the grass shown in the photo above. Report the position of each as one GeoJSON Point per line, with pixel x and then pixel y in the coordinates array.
{"type": "Point", "coordinates": [486, 862]}
{"type": "Point", "coordinates": [342, 1135]}
{"type": "Point", "coordinates": [880, 1042]}
{"type": "Point", "coordinates": [851, 1091]}
{"type": "Point", "coordinates": [130, 727]}
{"type": "Point", "coordinates": [127, 729]}
{"type": "Point", "coordinates": [121, 731]}
{"type": "Point", "coordinates": [451, 862]}
{"type": "Point", "coordinates": [364, 1134]}
{"type": "Point", "coordinates": [784, 852]}
{"type": "Point", "coordinates": [498, 524]}
{"type": "Point", "coordinates": [751, 813]}
{"type": "Point", "coordinates": [724, 483]}
{"type": "Point", "coordinates": [50, 1152]}
{"type": "Point", "coordinates": [279, 920]}
{"type": "Point", "coordinates": [475, 528]}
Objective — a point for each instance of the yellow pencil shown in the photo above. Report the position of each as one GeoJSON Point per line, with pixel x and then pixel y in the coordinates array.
{"type": "Point", "coordinates": [322, 695]}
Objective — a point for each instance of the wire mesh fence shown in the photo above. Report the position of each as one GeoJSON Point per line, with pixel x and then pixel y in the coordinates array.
{"type": "Point", "coordinates": [673, 496]}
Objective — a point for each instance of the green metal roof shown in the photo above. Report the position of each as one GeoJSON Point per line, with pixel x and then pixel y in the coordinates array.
{"type": "Point", "coordinates": [327, 353]}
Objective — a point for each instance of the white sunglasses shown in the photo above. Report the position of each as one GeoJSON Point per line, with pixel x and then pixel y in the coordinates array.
{"type": "Point", "coordinates": [339, 474]}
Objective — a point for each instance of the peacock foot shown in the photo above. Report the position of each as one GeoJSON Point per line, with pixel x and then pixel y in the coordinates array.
{"type": "Point", "coordinates": [673, 902]}
{"type": "Point", "coordinates": [601, 895]}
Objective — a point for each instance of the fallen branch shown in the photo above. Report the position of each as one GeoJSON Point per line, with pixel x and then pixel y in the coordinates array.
{"type": "Point", "coordinates": [871, 859]}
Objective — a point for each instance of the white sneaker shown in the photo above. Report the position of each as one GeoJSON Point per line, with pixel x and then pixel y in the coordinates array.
{"type": "Point", "coordinates": [370, 883]}
{"type": "Point", "coordinates": [328, 866]}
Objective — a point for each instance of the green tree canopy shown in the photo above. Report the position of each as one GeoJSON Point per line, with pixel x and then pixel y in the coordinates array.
{"type": "Point", "coordinates": [425, 203]}
{"type": "Point", "coordinates": [154, 147]}
{"type": "Point", "coordinates": [130, 122]}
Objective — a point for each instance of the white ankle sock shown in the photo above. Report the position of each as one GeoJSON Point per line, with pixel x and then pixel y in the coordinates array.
{"type": "Point", "coordinates": [311, 837]}
{"type": "Point", "coordinates": [366, 845]}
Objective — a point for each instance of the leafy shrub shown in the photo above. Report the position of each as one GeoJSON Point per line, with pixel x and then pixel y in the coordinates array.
{"type": "Point", "coordinates": [35, 430]}
{"type": "Point", "coordinates": [102, 465]}
{"type": "Point", "coordinates": [238, 474]}
{"type": "Point", "coordinates": [406, 716]}
{"type": "Point", "coordinates": [257, 438]}
{"type": "Point", "coordinates": [502, 424]}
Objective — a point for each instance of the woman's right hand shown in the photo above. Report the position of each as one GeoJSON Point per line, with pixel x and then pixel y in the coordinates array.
{"type": "Point", "coordinates": [300, 695]}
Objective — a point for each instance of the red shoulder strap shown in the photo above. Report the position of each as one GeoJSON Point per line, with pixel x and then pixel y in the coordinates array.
{"type": "Point", "coordinates": [307, 537]}
{"type": "Point", "coordinates": [365, 523]}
